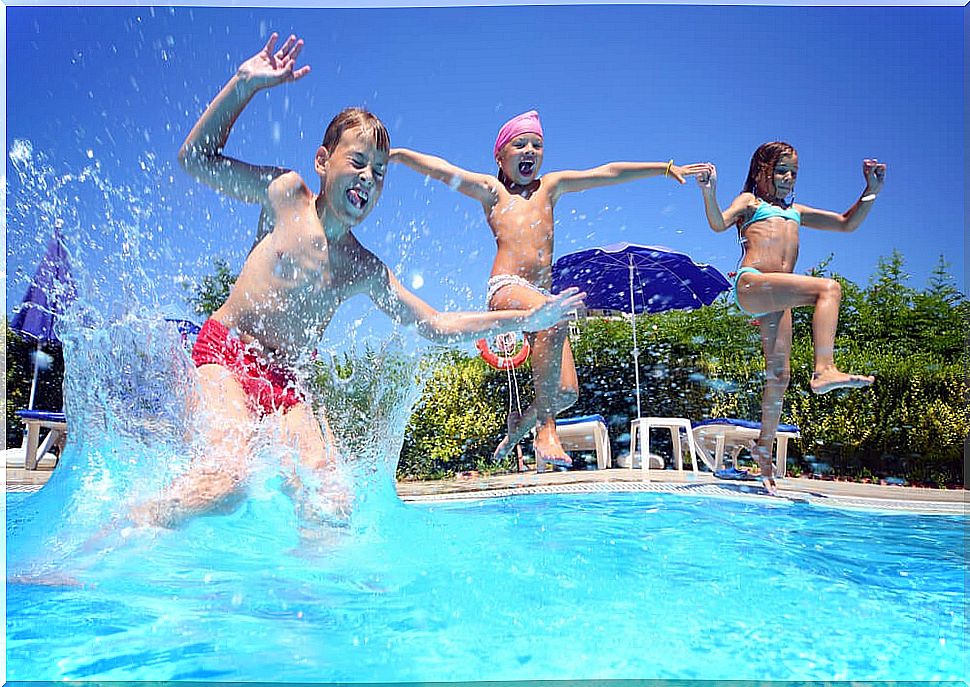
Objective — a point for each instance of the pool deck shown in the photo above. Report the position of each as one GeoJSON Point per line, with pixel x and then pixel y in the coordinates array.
{"type": "Point", "coordinates": [813, 491]}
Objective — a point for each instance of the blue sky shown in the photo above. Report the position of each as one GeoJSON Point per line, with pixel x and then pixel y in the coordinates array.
{"type": "Point", "coordinates": [622, 82]}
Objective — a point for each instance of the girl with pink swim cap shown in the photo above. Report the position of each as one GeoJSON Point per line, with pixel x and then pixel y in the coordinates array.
{"type": "Point", "coordinates": [518, 206]}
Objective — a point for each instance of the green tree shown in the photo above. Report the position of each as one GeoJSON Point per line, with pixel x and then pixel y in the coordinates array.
{"type": "Point", "coordinates": [458, 420]}
{"type": "Point", "coordinates": [886, 313]}
{"type": "Point", "coordinates": [208, 294]}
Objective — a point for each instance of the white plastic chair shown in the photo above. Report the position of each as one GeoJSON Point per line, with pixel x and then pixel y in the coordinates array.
{"type": "Point", "coordinates": [640, 429]}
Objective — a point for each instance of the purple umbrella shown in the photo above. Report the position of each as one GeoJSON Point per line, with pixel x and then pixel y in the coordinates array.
{"type": "Point", "coordinates": [627, 277]}
{"type": "Point", "coordinates": [50, 292]}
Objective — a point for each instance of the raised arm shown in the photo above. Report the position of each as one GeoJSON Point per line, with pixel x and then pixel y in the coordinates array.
{"type": "Point", "coordinates": [706, 175]}
{"type": "Point", "coordinates": [875, 175]}
{"type": "Point", "coordinates": [478, 186]}
{"type": "Point", "coordinates": [201, 153]}
{"type": "Point", "coordinates": [405, 308]}
{"type": "Point", "coordinates": [569, 181]}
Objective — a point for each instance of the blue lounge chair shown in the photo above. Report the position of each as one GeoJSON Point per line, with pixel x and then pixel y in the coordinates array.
{"type": "Point", "coordinates": [730, 435]}
{"type": "Point", "coordinates": [36, 420]}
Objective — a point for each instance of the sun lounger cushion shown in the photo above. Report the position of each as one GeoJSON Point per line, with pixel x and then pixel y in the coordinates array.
{"type": "Point", "coordinates": [577, 420]}
{"type": "Point", "coordinates": [42, 415]}
{"type": "Point", "coordinates": [749, 424]}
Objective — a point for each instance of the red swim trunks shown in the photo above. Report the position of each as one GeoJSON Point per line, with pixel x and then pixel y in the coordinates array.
{"type": "Point", "coordinates": [269, 386]}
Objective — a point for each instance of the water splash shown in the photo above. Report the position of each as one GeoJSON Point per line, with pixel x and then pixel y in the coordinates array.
{"type": "Point", "coordinates": [131, 392]}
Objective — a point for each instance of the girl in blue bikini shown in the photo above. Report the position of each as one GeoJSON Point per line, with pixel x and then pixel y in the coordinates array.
{"type": "Point", "coordinates": [768, 223]}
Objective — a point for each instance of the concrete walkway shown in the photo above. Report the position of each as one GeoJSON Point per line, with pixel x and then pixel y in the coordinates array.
{"type": "Point", "coordinates": [816, 492]}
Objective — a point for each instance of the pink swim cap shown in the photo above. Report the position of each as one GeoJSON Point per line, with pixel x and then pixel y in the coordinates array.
{"type": "Point", "coordinates": [525, 123]}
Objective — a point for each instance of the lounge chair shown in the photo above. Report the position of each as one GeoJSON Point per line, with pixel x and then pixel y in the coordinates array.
{"type": "Point", "coordinates": [586, 433]}
{"type": "Point", "coordinates": [722, 435]}
{"type": "Point", "coordinates": [640, 428]}
{"type": "Point", "coordinates": [34, 450]}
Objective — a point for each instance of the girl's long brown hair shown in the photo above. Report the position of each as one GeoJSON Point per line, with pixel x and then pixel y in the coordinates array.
{"type": "Point", "coordinates": [762, 167]}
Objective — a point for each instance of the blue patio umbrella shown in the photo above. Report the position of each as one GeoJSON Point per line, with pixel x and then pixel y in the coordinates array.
{"type": "Point", "coordinates": [627, 277]}
{"type": "Point", "coordinates": [50, 292]}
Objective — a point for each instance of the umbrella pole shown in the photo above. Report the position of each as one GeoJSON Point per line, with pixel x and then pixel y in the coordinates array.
{"type": "Point", "coordinates": [636, 351]}
{"type": "Point", "coordinates": [33, 383]}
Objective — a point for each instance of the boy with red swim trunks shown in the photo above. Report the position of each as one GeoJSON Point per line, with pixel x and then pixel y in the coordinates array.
{"type": "Point", "coordinates": [290, 287]}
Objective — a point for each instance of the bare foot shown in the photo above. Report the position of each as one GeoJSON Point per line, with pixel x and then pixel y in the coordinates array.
{"type": "Point", "coordinates": [503, 449]}
{"type": "Point", "coordinates": [505, 446]}
{"type": "Point", "coordinates": [768, 483]}
{"type": "Point", "coordinates": [556, 456]}
{"type": "Point", "coordinates": [762, 457]}
{"type": "Point", "coordinates": [824, 382]}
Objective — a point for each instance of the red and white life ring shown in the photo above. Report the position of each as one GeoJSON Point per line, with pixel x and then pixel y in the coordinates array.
{"type": "Point", "coordinates": [503, 360]}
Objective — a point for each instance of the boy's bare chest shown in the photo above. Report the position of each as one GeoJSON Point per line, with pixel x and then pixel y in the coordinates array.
{"type": "Point", "coordinates": [308, 264]}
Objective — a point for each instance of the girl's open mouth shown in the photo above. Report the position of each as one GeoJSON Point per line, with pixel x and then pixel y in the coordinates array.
{"type": "Point", "coordinates": [526, 167]}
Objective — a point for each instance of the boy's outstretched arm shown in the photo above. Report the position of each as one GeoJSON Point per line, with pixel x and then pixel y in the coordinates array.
{"type": "Point", "coordinates": [479, 186]}
{"type": "Point", "coordinates": [706, 175]}
{"type": "Point", "coordinates": [201, 153]}
{"type": "Point", "coordinates": [405, 308]}
{"type": "Point", "coordinates": [569, 181]}
{"type": "Point", "coordinates": [875, 175]}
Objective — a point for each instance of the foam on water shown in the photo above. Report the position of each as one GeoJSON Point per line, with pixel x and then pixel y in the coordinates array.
{"type": "Point", "coordinates": [130, 387]}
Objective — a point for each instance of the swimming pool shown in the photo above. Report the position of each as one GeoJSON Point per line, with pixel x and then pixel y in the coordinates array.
{"type": "Point", "coordinates": [605, 585]}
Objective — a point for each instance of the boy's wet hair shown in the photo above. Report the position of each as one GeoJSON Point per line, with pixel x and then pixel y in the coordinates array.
{"type": "Point", "coordinates": [763, 166]}
{"type": "Point", "coordinates": [356, 118]}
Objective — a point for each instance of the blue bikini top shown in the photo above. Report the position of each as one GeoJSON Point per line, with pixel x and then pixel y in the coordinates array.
{"type": "Point", "coordinates": [766, 210]}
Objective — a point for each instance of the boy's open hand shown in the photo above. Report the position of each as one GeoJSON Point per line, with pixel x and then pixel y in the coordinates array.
{"type": "Point", "coordinates": [875, 174]}
{"type": "Point", "coordinates": [268, 68]}
{"type": "Point", "coordinates": [556, 309]}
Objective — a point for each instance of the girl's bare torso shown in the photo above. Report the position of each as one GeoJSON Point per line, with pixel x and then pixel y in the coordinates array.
{"type": "Point", "coordinates": [770, 245]}
{"type": "Point", "coordinates": [523, 228]}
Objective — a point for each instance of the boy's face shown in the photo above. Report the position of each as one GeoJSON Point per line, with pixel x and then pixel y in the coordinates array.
{"type": "Point", "coordinates": [784, 174]}
{"type": "Point", "coordinates": [354, 175]}
{"type": "Point", "coordinates": [521, 158]}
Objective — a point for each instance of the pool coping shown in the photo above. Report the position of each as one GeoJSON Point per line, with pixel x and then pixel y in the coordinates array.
{"type": "Point", "coordinates": [814, 492]}
{"type": "Point", "coordinates": [811, 491]}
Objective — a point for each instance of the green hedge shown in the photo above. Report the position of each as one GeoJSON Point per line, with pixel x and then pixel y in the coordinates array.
{"type": "Point", "coordinates": [708, 363]}
{"type": "Point", "coordinates": [18, 355]}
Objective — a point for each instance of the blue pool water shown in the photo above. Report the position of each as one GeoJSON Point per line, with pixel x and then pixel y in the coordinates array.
{"type": "Point", "coordinates": [606, 585]}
